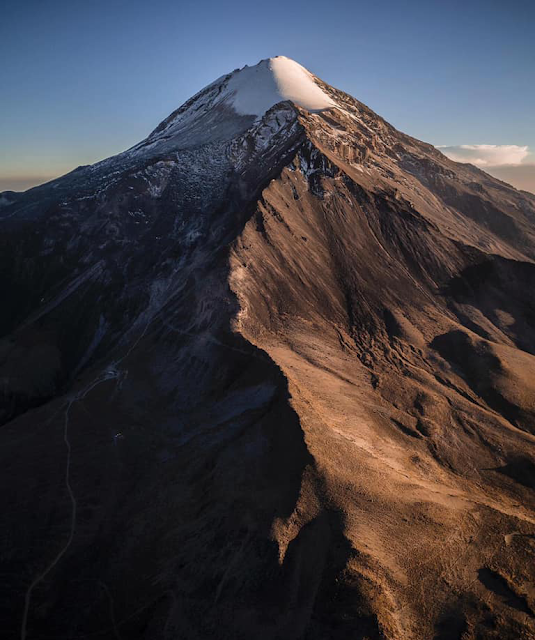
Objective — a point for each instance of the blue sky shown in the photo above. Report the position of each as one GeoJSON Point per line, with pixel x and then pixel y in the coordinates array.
{"type": "Point", "coordinates": [80, 81]}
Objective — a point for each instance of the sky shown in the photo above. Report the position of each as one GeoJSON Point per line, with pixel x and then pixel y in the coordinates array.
{"type": "Point", "coordinates": [80, 81]}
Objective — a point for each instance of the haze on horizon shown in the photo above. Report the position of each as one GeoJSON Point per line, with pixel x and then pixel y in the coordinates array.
{"type": "Point", "coordinates": [88, 81]}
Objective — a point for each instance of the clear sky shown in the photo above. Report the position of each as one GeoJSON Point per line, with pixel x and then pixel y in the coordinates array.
{"type": "Point", "coordinates": [80, 81]}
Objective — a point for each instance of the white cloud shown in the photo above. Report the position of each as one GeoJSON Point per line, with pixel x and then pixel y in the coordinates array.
{"type": "Point", "coordinates": [486, 155]}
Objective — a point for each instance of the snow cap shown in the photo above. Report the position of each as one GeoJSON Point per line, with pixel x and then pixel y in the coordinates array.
{"type": "Point", "coordinates": [254, 90]}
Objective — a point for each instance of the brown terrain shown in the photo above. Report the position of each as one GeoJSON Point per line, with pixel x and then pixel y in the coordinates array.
{"type": "Point", "coordinates": [300, 405]}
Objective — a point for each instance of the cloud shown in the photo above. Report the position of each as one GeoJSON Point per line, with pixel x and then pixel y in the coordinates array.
{"type": "Point", "coordinates": [486, 155]}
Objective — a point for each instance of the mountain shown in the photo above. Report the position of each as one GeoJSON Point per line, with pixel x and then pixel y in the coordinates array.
{"type": "Point", "coordinates": [269, 374]}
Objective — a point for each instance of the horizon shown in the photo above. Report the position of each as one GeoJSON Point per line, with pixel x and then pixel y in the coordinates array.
{"type": "Point", "coordinates": [72, 103]}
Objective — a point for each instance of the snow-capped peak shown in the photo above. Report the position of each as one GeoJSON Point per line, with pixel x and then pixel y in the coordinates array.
{"type": "Point", "coordinates": [229, 106]}
{"type": "Point", "coordinates": [254, 90]}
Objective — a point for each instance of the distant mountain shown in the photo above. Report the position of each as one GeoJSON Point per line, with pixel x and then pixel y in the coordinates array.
{"type": "Point", "coordinates": [269, 374]}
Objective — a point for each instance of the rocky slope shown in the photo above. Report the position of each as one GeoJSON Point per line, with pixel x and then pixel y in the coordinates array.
{"type": "Point", "coordinates": [269, 373]}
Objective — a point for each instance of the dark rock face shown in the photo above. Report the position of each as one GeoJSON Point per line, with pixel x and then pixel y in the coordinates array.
{"type": "Point", "coordinates": [277, 382]}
